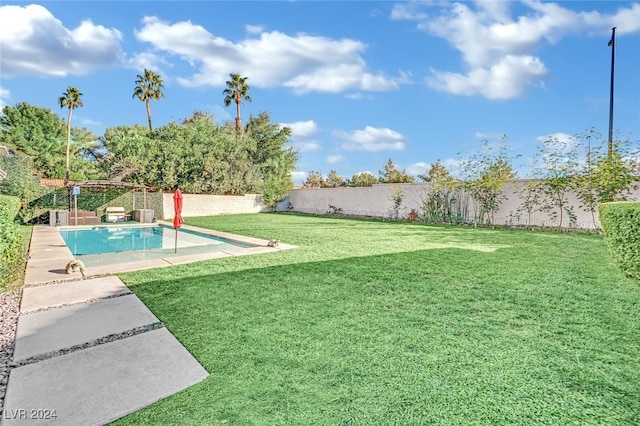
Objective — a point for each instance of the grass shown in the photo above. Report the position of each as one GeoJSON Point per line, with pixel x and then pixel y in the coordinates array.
{"type": "Point", "coordinates": [373, 322]}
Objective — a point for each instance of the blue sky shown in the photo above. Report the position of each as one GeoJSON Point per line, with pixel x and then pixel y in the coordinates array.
{"type": "Point", "coordinates": [358, 82]}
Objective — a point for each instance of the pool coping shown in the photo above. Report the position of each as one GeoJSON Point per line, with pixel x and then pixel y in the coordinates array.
{"type": "Point", "coordinates": [49, 255]}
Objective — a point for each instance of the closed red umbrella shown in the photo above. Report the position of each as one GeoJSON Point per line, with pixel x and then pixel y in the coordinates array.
{"type": "Point", "coordinates": [177, 218]}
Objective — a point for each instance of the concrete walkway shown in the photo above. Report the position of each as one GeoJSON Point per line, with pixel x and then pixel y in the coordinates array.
{"type": "Point", "coordinates": [90, 352]}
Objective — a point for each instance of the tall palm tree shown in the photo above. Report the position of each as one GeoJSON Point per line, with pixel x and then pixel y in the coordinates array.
{"type": "Point", "coordinates": [237, 91]}
{"type": "Point", "coordinates": [148, 86]}
{"type": "Point", "coordinates": [72, 98]}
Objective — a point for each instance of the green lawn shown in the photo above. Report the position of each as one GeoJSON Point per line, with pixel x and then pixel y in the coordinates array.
{"type": "Point", "coordinates": [380, 323]}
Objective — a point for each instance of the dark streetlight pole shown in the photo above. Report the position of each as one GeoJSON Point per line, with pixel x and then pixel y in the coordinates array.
{"type": "Point", "coordinates": [612, 43]}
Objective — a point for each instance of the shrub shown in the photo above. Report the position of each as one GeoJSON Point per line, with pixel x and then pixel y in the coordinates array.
{"type": "Point", "coordinates": [10, 240]}
{"type": "Point", "coordinates": [621, 225]}
{"type": "Point", "coordinates": [9, 208]}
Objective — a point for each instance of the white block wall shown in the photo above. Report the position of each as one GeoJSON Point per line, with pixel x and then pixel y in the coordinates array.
{"type": "Point", "coordinates": [211, 205]}
{"type": "Point", "coordinates": [376, 201]}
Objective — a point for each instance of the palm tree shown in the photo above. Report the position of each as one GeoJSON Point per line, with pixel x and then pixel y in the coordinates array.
{"type": "Point", "coordinates": [236, 91]}
{"type": "Point", "coordinates": [72, 98]}
{"type": "Point", "coordinates": [148, 87]}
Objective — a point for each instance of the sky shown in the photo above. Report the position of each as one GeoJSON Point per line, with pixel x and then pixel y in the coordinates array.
{"type": "Point", "coordinates": [358, 82]}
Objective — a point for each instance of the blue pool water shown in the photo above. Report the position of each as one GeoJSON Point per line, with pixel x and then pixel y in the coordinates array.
{"type": "Point", "coordinates": [101, 244]}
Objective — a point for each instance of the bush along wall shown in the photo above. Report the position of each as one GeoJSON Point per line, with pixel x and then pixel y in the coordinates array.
{"type": "Point", "coordinates": [10, 240]}
{"type": "Point", "coordinates": [621, 225]}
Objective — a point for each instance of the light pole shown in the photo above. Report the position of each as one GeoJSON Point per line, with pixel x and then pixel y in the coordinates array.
{"type": "Point", "coordinates": [612, 43]}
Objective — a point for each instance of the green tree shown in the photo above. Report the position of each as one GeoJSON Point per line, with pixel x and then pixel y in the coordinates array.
{"type": "Point", "coordinates": [277, 180]}
{"type": "Point", "coordinates": [148, 86]}
{"type": "Point", "coordinates": [127, 154]}
{"type": "Point", "coordinates": [440, 204]}
{"type": "Point", "coordinates": [616, 174]}
{"type": "Point", "coordinates": [486, 171]}
{"type": "Point", "coordinates": [237, 91]}
{"type": "Point", "coordinates": [39, 133]}
{"type": "Point", "coordinates": [587, 185]}
{"type": "Point", "coordinates": [72, 99]}
{"type": "Point", "coordinates": [362, 179]}
{"type": "Point", "coordinates": [558, 168]}
{"type": "Point", "coordinates": [334, 180]}
{"type": "Point", "coordinates": [438, 175]}
{"type": "Point", "coordinates": [314, 180]}
{"type": "Point", "coordinates": [35, 132]}
{"type": "Point", "coordinates": [396, 197]}
{"type": "Point", "coordinates": [530, 199]}
{"type": "Point", "coordinates": [391, 174]}
{"type": "Point", "coordinates": [270, 138]}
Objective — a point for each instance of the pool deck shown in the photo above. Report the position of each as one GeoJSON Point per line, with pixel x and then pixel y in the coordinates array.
{"type": "Point", "coordinates": [49, 255]}
{"type": "Point", "coordinates": [88, 351]}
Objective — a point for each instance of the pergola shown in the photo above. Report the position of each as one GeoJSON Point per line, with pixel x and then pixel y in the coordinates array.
{"type": "Point", "coordinates": [106, 184]}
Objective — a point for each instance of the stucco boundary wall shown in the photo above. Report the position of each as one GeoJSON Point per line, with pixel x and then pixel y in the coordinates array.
{"type": "Point", "coordinates": [213, 205]}
{"type": "Point", "coordinates": [376, 201]}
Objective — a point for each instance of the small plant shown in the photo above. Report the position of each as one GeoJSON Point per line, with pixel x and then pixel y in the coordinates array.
{"type": "Point", "coordinates": [333, 210]}
{"type": "Point", "coordinates": [396, 197]}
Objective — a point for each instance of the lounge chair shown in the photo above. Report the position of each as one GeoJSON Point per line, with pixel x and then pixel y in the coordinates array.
{"type": "Point", "coordinates": [115, 214]}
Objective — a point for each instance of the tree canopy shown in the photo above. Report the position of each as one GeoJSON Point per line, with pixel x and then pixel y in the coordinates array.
{"type": "Point", "coordinates": [199, 156]}
{"type": "Point", "coordinates": [391, 174]}
{"type": "Point", "coordinates": [39, 134]}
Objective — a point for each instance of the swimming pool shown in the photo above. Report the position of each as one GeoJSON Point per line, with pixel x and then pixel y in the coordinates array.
{"type": "Point", "coordinates": [102, 245]}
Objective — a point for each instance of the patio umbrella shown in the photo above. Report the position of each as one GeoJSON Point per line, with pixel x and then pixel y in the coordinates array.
{"type": "Point", "coordinates": [177, 218]}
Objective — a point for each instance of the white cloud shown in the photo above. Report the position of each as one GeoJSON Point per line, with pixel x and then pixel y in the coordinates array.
{"type": "Point", "coordinates": [298, 177]}
{"type": "Point", "coordinates": [308, 146]}
{"type": "Point", "coordinates": [498, 50]}
{"type": "Point", "coordinates": [564, 141]}
{"type": "Point", "coordinates": [488, 135]}
{"type": "Point", "coordinates": [149, 60]}
{"type": "Point", "coordinates": [411, 11]}
{"type": "Point", "coordinates": [454, 166]}
{"type": "Point", "coordinates": [303, 134]}
{"type": "Point", "coordinates": [559, 152]}
{"type": "Point", "coordinates": [4, 97]}
{"type": "Point", "coordinates": [336, 158]}
{"type": "Point", "coordinates": [34, 42]}
{"type": "Point", "coordinates": [372, 139]}
{"type": "Point", "coordinates": [302, 129]}
{"type": "Point", "coordinates": [358, 96]}
{"type": "Point", "coordinates": [304, 63]}
{"type": "Point", "coordinates": [506, 79]}
{"type": "Point", "coordinates": [254, 29]}
{"type": "Point", "coordinates": [90, 123]}
{"type": "Point", "coordinates": [559, 136]}
{"type": "Point", "coordinates": [416, 169]}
